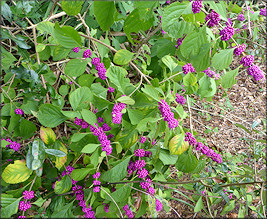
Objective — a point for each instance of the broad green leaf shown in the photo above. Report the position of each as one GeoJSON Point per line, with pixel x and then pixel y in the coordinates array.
{"type": "Point", "coordinates": [127, 100]}
{"type": "Point", "coordinates": [116, 173]}
{"type": "Point", "coordinates": [117, 76]}
{"type": "Point", "coordinates": [199, 205]}
{"type": "Point", "coordinates": [200, 166]}
{"type": "Point", "coordinates": [63, 211]}
{"type": "Point", "coordinates": [60, 161]}
{"type": "Point", "coordinates": [89, 116]}
{"type": "Point", "coordinates": [186, 162]}
{"type": "Point", "coordinates": [189, 79]}
{"type": "Point", "coordinates": [152, 206]}
{"type": "Point", "coordinates": [228, 207]}
{"type": "Point", "coordinates": [55, 152]}
{"type": "Point", "coordinates": [72, 7]}
{"type": "Point", "coordinates": [178, 29]}
{"type": "Point", "coordinates": [172, 13]}
{"type": "Point", "coordinates": [167, 158]}
{"type": "Point", "coordinates": [71, 114]}
{"type": "Point", "coordinates": [177, 145]}
{"type": "Point", "coordinates": [122, 57]}
{"type": "Point", "coordinates": [135, 116]}
{"type": "Point", "coordinates": [90, 148]}
{"type": "Point", "coordinates": [27, 129]}
{"type": "Point", "coordinates": [103, 50]}
{"type": "Point", "coordinates": [4, 143]}
{"type": "Point", "coordinates": [39, 202]}
{"type": "Point", "coordinates": [228, 79]}
{"type": "Point", "coordinates": [207, 86]}
{"type": "Point", "coordinates": [99, 90]}
{"type": "Point", "coordinates": [86, 80]}
{"type": "Point", "coordinates": [60, 52]}
{"type": "Point", "coordinates": [50, 115]}
{"type": "Point", "coordinates": [234, 8]}
{"type": "Point", "coordinates": [40, 47]}
{"type": "Point", "coordinates": [170, 62]}
{"type": "Point", "coordinates": [67, 36]}
{"type": "Point", "coordinates": [163, 47]}
{"type": "Point", "coordinates": [47, 135]}
{"type": "Point", "coordinates": [46, 26]}
{"type": "Point", "coordinates": [64, 185]}
{"type": "Point", "coordinates": [80, 98]}
{"type": "Point", "coordinates": [9, 205]}
{"type": "Point", "coordinates": [193, 42]}
{"type": "Point", "coordinates": [75, 67]}
{"type": "Point", "coordinates": [16, 173]}
{"type": "Point", "coordinates": [151, 91]}
{"type": "Point", "coordinates": [7, 59]}
{"type": "Point", "coordinates": [127, 137]}
{"type": "Point", "coordinates": [80, 174]}
{"type": "Point", "coordinates": [202, 61]}
{"type": "Point", "coordinates": [78, 136]}
{"type": "Point", "coordinates": [220, 8]}
{"type": "Point", "coordinates": [104, 12]}
{"type": "Point", "coordinates": [124, 189]}
{"type": "Point", "coordinates": [222, 59]}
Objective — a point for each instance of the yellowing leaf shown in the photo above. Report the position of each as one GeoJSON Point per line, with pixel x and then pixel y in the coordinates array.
{"type": "Point", "coordinates": [47, 135]}
{"type": "Point", "coordinates": [177, 145]}
{"type": "Point", "coordinates": [16, 173]}
{"type": "Point", "coordinates": [60, 161]}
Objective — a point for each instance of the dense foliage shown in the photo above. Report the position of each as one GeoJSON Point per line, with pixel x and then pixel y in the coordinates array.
{"type": "Point", "coordinates": [95, 96]}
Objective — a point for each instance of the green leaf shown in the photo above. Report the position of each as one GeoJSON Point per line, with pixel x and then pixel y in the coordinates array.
{"type": "Point", "coordinates": [80, 174]}
{"type": "Point", "coordinates": [16, 173]}
{"type": "Point", "coordinates": [170, 62]}
{"type": "Point", "coordinates": [151, 91]}
{"type": "Point", "coordinates": [72, 7]}
{"type": "Point", "coordinates": [89, 116]}
{"type": "Point", "coordinates": [78, 136]}
{"type": "Point", "coordinates": [50, 115]}
{"type": "Point", "coordinates": [228, 79]}
{"type": "Point", "coordinates": [39, 202]}
{"type": "Point", "coordinates": [199, 205]}
{"type": "Point", "coordinates": [122, 57]}
{"type": "Point", "coordinates": [90, 148]}
{"type": "Point", "coordinates": [189, 79]}
{"type": "Point", "coordinates": [167, 158]}
{"type": "Point", "coordinates": [4, 143]}
{"type": "Point", "coordinates": [220, 8]}
{"type": "Point", "coordinates": [67, 36]}
{"type": "Point", "coordinates": [124, 189]}
{"type": "Point", "coordinates": [71, 114]}
{"type": "Point", "coordinates": [7, 59]}
{"type": "Point", "coordinates": [104, 13]}
{"type": "Point", "coordinates": [117, 76]}
{"type": "Point", "coordinates": [178, 29]}
{"type": "Point", "coordinates": [127, 137]}
{"type": "Point", "coordinates": [163, 47]}
{"type": "Point", "coordinates": [116, 173]}
{"type": "Point", "coordinates": [60, 161]}
{"type": "Point", "coordinates": [55, 152]}
{"type": "Point", "coordinates": [75, 67]}
{"type": "Point", "coordinates": [64, 185]}
{"type": "Point", "coordinates": [202, 61]}
{"type": "Point", "coordinates": [80, 98]}
{"type": "Point", "coordinates": [207, 86]}
{"type": "Point", "coordinates": [222, 59]}
{"type": "Point", "coordinates": [46, 26]}
{"type": "Point", "coordinates": [99, 90]}
{"type": "Point", "coordinates": [177, 145]}
{"type": "Point", "coordinates": [63, 211]}
{"type": "Point", "coordinates": [27, 129]}
{"type": "Point", "coordinates": [193, 42]}
{"type": "Point", "coordinates": [135, 116]}
{"type": "Point", "coordinates": [127, 100]}
{"type": "Point", "coordinates": [242, 127]}
{"type": "Point", "coordinates": [172, 13]}
{"type": "Point", "coordinates": [186, 162]}
{"type": "Point", "coordinates": [9, 205]}
{"type": "Point", "coordinates": [228, 207]}
{"type": "Point", "coordinates": [60, 52]}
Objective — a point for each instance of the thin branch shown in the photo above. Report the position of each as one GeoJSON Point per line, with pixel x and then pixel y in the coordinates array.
{"type": "Point", "coordinates": [252, 42]}
{"type": "Point", "coordinates": [170, 77]}
{"type": "Point", "coordinates": [249, 28]}
{"type": "Point", "coordinates": [137, 86]}
{"type": "Point", "coordinates": [190, 117]}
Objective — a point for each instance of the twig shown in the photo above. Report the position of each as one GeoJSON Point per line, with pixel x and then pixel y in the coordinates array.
{"type": "Point", "coordinates": [170, 77]}
{"type": "Point", "coordinates": [208, 206]}
{"type": "Point", "coordinates": [252, 42]}
{"type": "Point", "coordinates": [113, 201]}
{"type": "Point", "coordinates": [249, 28]}
{"type": "Point", "coordinates": [262, 203]}
{"type": "Point", "coordinates": [33, 183]}
{"type": "Point", "coordinates": [137, 86]}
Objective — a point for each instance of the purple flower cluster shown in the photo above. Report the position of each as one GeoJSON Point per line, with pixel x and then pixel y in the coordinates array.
{"type": "Point", "coordinates": [128, 211]}
{"type": "Point", "coordinates": [143, 140]}
{"type": "Point", "coordinates": [213, 19]}
{"type": "Point", "coordinates": [87, 53]}
{"type": "Point", "coordinates": [196, 5]}
{"type": "Point", "coordinates": [139, 153]}
{"type": "Point", "coordinates": [102, 137]}
{"type": "Point", "coordinates": [255, 72]}
{"type": "Point", "coordinates": [180, 99]}
{"type": "Point", "coordinates": [116, 112]}
{"type": "Point", "coordinates": [227, 33]}
{"type": "Point", "coordinates": [24, 206]}
{"type": "Point", "coordinates": [167, 114]}
{"type": "Point", "coordinates": [13, 145]}
{"type": "Point", "coordinates": [239, 49]}
{"type": "Point", "coordinates": [188, 68]}
{"type": "Point", "coordinates": [81, 122]}
{"type": "Point", "coordinates": [247, 60]}
{"type": "Point", "coordinates": [99, 66]}
{"type": "Point", "coordinates": [76, 49]}
{"type": "Point", "coordinates": [240, 17]}
{"type": "Point", "coordinates": [106, 127]}
{"type": "Point", "coordinates": [19, 111]}
{"type": "Point", "coordinates": [263, 12]}
{"type": "Point", "coordinates": [111, 89]}
{"type": "Point", "coordinates": [100, 119]}
{"type": "Point", "coordinates": [229, 22]}
{"type": "Point", "coordinates": [179, 41]}
{"type": "Point", "coordinates": [106, 207]}
{"type": "Point", "coordinates": [158, 205]}
{"type": "Point", "coordinates": [211, 74]}
{"type": "Point", "coordinates": [96, 182]}
{"type": "Point", "coordinates": [204, 149]}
